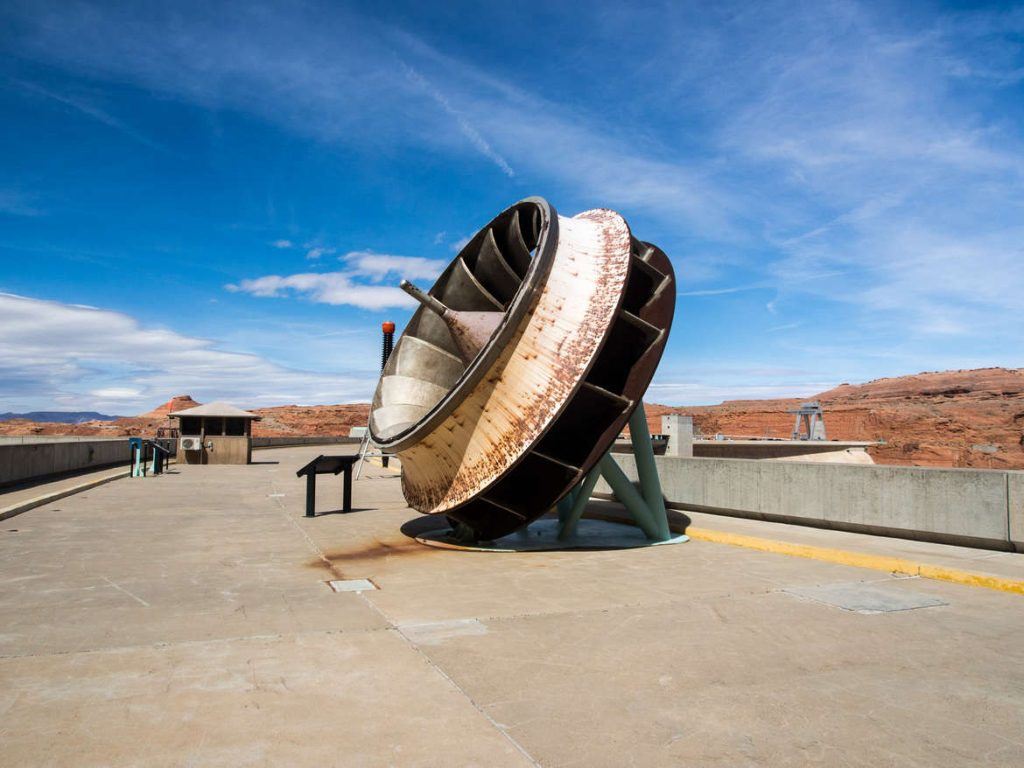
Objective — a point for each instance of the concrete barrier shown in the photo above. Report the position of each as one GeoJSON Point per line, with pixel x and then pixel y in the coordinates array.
{"type": "Point", "coordinates": [281, 442]}
{"type": "Point", "coordinates": [981, 508]}
{"type": "Point", "coordinates": [21, 462]}
{"type": "Point", "coordinates": [1015, 507]}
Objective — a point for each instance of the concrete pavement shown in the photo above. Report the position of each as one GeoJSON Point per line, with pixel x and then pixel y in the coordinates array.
{"type": "Point", "coordinates": [17, 499]}
{"type": "Point", "coordinates": [185, 619]}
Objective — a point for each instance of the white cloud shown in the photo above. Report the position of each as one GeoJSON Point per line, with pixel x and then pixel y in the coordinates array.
{"type": "Point", "coordinates": [357, 286]}
{"type": "Point", "coordinates": [283, 244]}
{"type": "Point", "coordinates": [55, 355]}
{"type": "Point", "coordinates": [317, 251]}
{"type": "Point", "coordinates": [378, 266]}
{"type": "Point", "coordinates": [116, 393]}
{"type": "Point", "coordinates": [325, 288]}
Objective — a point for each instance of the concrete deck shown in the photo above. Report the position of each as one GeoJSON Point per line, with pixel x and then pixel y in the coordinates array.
{"type": "Point", "coordinates": [184, 619]}
{"type": "Point", "coordinates": [20, 498]}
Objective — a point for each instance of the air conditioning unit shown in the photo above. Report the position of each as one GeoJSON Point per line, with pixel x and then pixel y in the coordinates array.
{"type": "Point", "coordinates": [191, 444]}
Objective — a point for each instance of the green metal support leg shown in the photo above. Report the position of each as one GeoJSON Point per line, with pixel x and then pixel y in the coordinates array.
{"type": "Point", "coordinates": [647, 505]}
{"type": "Point", "coordinates": [630, 497]}
{"type": "Point", "coordinates": [647, 471]}
{"type": "Point", "coordinates": [579, 499]}
{"type": "Point", "coordinates": [564, 507]}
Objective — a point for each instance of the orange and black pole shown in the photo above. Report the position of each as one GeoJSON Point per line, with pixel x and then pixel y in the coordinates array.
{"type": "Point", "coordinates": [389, 342]}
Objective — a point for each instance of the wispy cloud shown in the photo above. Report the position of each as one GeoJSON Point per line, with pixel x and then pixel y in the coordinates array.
{"type": "Point", "coordinates": [722, 291]}
{"type": "Point", "coordinates": [71, 356]}
{"type": "Point", "coordinates": [467, 129]}
{"type": "Point", "coordinates": [283, 244]}
{"type": "Point", "coordinates": [16, 203]}
{"type": "Point", "coordinates": [87, 108]}
{"type": "Point", "coordinates": [346, 78]}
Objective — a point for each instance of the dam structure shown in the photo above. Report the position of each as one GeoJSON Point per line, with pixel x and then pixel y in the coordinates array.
{"type": "Point", "coordinates": [198, 617]}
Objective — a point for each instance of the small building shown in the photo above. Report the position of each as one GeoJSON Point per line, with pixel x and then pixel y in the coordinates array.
{"type": "Point", "coordinates": [215, 433]}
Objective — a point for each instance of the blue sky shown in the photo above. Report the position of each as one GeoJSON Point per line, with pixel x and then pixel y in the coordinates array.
{"type": "Point", "coordinates": [220, 199]}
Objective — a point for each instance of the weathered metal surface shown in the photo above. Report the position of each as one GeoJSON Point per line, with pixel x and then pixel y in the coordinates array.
{"type": "Point", "coordinates": [536, 373]}
{"type": "Point", "coordinates": [555, 382]}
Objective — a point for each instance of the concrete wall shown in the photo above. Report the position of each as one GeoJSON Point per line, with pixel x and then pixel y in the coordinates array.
{"type": "Point", "coordinates": [20, 462]}
{"type": "Point", "coordinates": [37, 457]}
{"type": "Point", "coordinates": [961, 506]}
{"type": "Point", "coordinates": [768, 449]}
{"type": "Point", "coordinates": [22, 439]}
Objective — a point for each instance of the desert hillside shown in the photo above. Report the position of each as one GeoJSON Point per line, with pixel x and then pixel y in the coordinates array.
{"type": "Point", "coordinates": [972, 418]}
{"type": "Point", "coordinates": [276, 422]}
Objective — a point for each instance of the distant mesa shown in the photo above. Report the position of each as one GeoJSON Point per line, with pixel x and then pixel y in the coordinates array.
{"type": "Point", "coordinates": [58, 417]}
{"type": "Point", "coordinates": [176, 403]}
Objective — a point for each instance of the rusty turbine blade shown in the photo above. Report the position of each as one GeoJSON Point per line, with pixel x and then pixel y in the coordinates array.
{"type": "Point", "coordinates": [523, 364]}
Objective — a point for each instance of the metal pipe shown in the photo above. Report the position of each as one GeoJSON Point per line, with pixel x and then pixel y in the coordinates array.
{"type": "Point", "coordinates": [424, 298]}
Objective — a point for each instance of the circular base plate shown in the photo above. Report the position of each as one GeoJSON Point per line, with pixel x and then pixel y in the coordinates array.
{"type": "Point", "coordinates": [542, 536]}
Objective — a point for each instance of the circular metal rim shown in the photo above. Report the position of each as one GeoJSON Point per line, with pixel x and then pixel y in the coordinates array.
{"type": "Point", "coordinates": [646, 370]}
{"type": "Point", "coordinates": [540, 265]}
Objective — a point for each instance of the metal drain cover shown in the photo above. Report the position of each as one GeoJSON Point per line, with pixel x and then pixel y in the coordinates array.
{"type": "Point", "coordinates": [351, 585]}
{"type": "Point", "coordinates": [861, 597]}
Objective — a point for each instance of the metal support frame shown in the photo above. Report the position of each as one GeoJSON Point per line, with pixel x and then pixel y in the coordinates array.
{"type": "Point", "coordinates": [364, 450]}
{"type": "Point", "coordinates": [646, 506]}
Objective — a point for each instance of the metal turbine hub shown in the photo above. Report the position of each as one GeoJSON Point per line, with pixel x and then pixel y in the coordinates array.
{"type": "Point", "coordinates": [522, 364]}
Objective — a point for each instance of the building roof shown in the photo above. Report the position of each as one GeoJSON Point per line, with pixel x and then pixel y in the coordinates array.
{"type": "Point", "coordinates": [215, 409]}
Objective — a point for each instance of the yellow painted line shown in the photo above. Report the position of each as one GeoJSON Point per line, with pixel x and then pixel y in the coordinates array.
{"type": "Point", "coordinates": [393, 465]}
{"type": "Point", "coordinates": [860, 560]}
